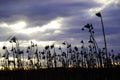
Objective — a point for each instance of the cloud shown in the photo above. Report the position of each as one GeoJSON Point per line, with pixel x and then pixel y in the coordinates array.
{"type": "Point", "coordinates": [103, 4]}
{"type": "Point", "coordinates": [52, 25]}
{"type": "Point", "coordinates": [53, 20]}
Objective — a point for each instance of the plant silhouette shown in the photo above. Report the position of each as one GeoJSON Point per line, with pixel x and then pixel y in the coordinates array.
{"type": "Point", "coordinates": [69, 56]}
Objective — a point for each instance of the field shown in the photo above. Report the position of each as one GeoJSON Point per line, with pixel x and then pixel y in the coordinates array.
{"type": "Point", "coordinates": [62, 74]}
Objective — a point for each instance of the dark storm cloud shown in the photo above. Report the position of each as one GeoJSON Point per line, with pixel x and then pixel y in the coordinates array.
{"type": "Point", "coordinates": [38, 9]}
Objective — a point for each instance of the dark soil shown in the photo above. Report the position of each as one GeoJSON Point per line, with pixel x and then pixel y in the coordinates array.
{"type": "Point", "coordinates": [62, 74]}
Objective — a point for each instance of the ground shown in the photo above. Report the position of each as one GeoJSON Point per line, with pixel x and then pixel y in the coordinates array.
{"type": "Point", "coordinates": [62, 74]}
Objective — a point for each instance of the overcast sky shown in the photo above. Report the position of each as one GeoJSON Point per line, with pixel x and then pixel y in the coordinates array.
{"type": "Point", "coordinates": [54, 21]}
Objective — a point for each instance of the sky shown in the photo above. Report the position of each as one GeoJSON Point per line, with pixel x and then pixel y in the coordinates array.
{"type": "Point", "coordinates": [45, 22]}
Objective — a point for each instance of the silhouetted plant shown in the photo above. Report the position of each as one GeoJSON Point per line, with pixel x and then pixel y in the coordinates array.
{"type": "Point", "coordinates": [54, 55]}
{"type": "Point", "coordinates": [86, 57]}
